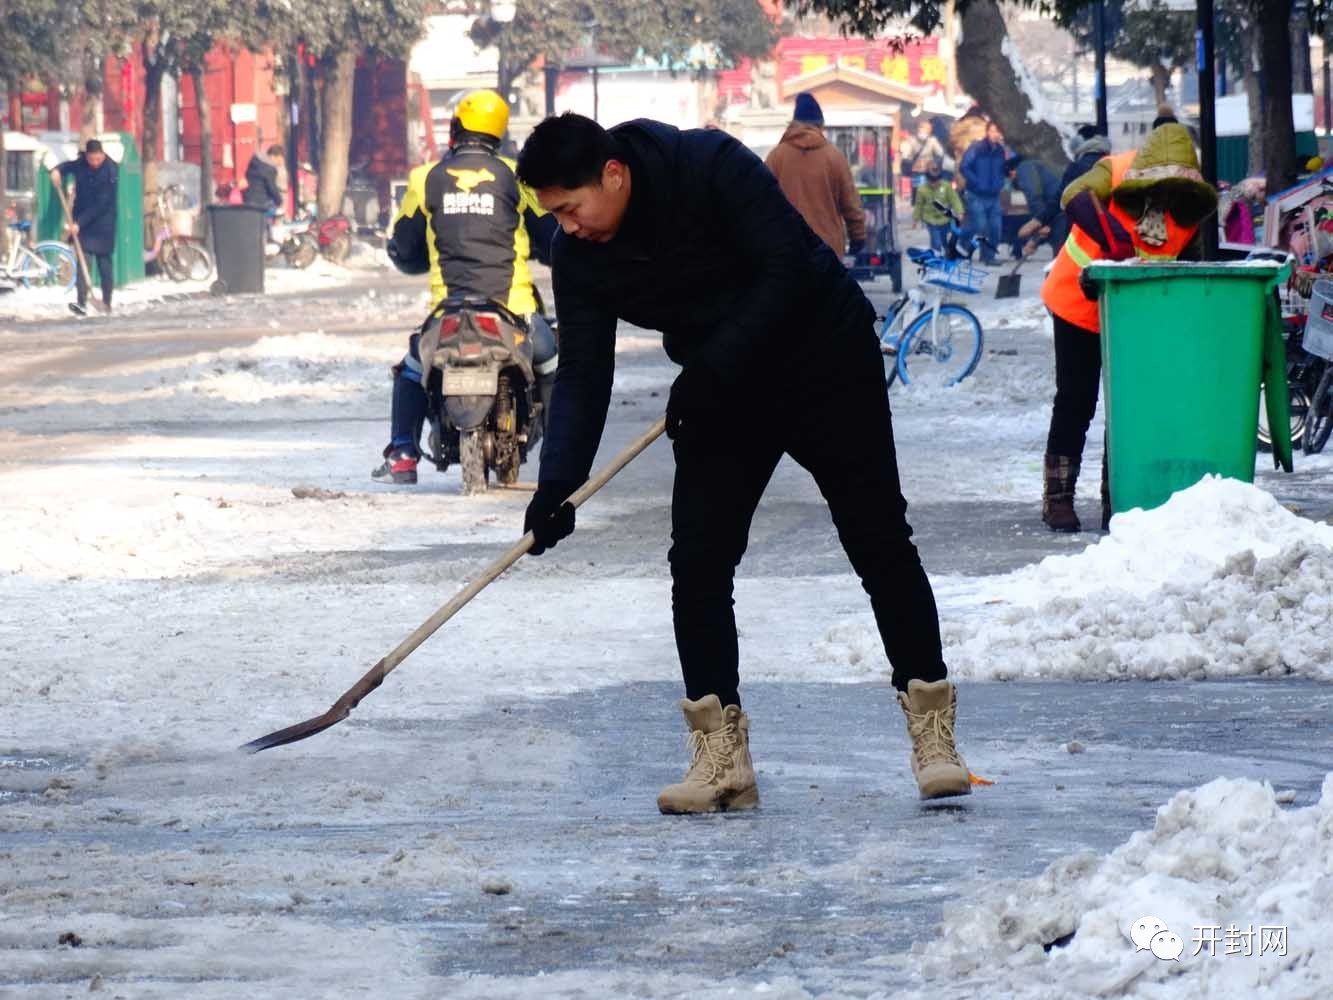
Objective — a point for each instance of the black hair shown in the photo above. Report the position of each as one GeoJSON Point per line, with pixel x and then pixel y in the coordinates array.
{"type": "Point", "coordinates": [567, 151]}
{"type": "Point", "coordinates": [93, 146]}
{"type": "Point", "coordinates": [1086, 132]}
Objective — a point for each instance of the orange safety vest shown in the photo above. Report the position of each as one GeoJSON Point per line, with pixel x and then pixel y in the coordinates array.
{"type": "Point", "coordinates": [1061, 291]}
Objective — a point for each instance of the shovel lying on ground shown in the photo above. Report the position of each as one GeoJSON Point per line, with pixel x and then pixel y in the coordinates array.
{"type": "Point", "coordinates": [342, 708]}
{"type": "Point", "coordinates": [78, 247]}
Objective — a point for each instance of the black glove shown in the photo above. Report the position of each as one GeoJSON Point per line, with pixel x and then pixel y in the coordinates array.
{"type": "Point", "coordinates": [550, 515]}
{"type": "Point", "coordinates": [854, 247]}
{"type": "Point", "coordinates": [1091, 289]}
{"type": "Point", "coordinates": [694, 404]}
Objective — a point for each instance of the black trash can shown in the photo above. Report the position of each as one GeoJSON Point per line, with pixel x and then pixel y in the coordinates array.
{"type": "Point", "coordinates": [238, 248]}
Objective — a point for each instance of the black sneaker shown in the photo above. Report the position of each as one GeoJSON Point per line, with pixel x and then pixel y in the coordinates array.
{"type": "Point", "coordinates": [399, 467]}
{"type": "Point", "coordinates": [77, 309]}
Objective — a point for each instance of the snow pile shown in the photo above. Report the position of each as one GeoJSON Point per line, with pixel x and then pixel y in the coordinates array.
{"type": "Point", "coordinates": [1222, 856]}
{"type": "Point", "coordinates": [1221, 581]}
{"type": "Point", "coordinates": [141, 296]}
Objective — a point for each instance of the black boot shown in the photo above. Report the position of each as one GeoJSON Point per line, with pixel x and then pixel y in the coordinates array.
{"type": "Point", "coordinates": [1057, 498]}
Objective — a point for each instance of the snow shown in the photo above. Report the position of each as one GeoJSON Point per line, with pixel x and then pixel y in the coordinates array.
{"type": "Point", "coordinates": [53, 303]}
{"type": "Point", "coordinates": [191, 551]}
{"type": "Point", "coordinates": [1226, 855]}
{"type": "Point", "coordinates": [1221, 581]}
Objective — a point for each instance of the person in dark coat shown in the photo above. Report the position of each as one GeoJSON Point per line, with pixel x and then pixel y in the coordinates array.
{"type": "Point", "coordinates": [688, 233]}
{"type": "Point", "coordinates": [1042, 190]}
{"type": "Point", "coordinates": [95, 185]}
{"type": "Point", "coordinates": [262, 189]}
{"type": "Point", "coordinates": [1092, 146]}
{"type": "Point", "coordinates": [982, 168]}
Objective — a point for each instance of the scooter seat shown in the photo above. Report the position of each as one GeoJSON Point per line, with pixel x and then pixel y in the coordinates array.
{"type": "Point", "coordinates": [918, 254]}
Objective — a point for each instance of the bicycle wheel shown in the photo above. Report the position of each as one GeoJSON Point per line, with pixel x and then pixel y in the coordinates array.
{"type": "Point", "coordinates": [944, 355]}
{"type": "Point", "coordinates": [1299, 405]}
{"type": "Point", "coordinates": [48, 263]}
{"type": "Point", "coordinates": [1320, 419]}
{"type": "Point", "coordinates": [183, 260]}
{"type": "Point", "coordinates": [889, 336]}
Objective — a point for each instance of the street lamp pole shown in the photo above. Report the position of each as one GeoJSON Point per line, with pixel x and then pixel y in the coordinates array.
{"type": "Point", "coordinates": [1099, 45]}
{"type": "Point", "coordinates": [1204, 44]}
{"type": "Point", "coordinates": [502, 13]}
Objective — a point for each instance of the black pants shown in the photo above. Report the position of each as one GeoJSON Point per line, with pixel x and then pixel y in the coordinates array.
{"type": "Point", "coordinates": [1078, 377]}
{"type": "Point", "coordinates": [104, 272]}
{"type": "Point", "coordinates": [837, 426]}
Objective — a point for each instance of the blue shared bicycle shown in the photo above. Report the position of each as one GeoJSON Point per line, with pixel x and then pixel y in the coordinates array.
{"type": "Point", "coordinates": [926, 338]}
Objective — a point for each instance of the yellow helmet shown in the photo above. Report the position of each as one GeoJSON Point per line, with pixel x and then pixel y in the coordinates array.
{"type": "Point", "coordinates": [483, 111]}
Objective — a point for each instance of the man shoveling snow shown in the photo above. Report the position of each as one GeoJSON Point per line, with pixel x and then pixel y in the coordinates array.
{"type": "Point", "coordinates": [688, 233]}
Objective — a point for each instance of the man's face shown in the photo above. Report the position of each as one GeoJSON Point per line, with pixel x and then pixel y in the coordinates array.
{"type": "Point", "coordinates": [994, 134]}
{"type": "Point", "coordinates": [594, 211]}
{"type": "Point", "coordinates": [96, 159]}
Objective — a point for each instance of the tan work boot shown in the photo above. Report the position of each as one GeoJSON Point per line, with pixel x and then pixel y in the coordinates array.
{"type": "Point", "coordinates": [938, 768]}
{"type": "Point", "coordinates": [721, 774]}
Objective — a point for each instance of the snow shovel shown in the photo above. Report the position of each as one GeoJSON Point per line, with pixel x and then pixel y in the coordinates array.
{"type": "Point", "coordinates": [78, 247]}
{"type": "Point", "coordinates": [342, 708]}
{"type": "Point", "coordinates": [1007, 286]}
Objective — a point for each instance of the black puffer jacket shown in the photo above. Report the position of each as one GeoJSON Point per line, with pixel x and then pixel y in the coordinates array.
{"type": "Point", "coordinates": [94, 202]}
{"type": "Point", "coordinates": [712, 254]}
{"type": "Point", "coordinates": [261, 183]}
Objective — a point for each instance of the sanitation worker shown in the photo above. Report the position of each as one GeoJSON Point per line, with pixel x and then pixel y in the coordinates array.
{"type": "Point", "coordinates": [1146, 204]}
{"type": "Point", "coordinates": [688, 233]}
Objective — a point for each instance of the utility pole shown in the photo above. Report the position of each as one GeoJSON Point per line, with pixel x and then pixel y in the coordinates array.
{"type": "Point", "coordinates": [1099, 45]}
{"type": "Point", "coordinates": [1203, 45]}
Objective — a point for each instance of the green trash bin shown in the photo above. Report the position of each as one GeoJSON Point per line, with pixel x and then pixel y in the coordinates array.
{"type": "Point", "coordinates": [1183, 357]}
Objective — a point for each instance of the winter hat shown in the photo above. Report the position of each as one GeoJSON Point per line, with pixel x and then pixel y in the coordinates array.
{"type": "Point", "coordinates": [808, 109]}
{"type": "Point", "coordinates": [1167, 164]}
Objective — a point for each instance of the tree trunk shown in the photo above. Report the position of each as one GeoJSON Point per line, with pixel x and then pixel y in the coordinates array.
{"type": "Point", "coordinates": [152, 123]}
{"type": "Point", "coordinates": [1254, 105]}
{"type": "Point", "coordinates": [1275, 116]}
{"type": "Point", "coordinates": [1302, 73]}
{"type": "Point", "coordinates": [989, 76]}
{"type": "Point", "coordinates": [282, 93]}
{"type": "Point", "coordinates": [205, 147]}
{"type": "Point", "coordinates": [90, 113]}
{"type": "Point", "coordinates": [336, 129]}
{"type": "Point", "coordinates": [1161, 81]}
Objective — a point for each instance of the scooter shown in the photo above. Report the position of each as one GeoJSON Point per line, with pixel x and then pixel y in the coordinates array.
{"type": "Point", "coordinates": [334, 235]}
{"type": "Point", "coordinates": [483, 401]}
{"type": "Point", "coordinates": [291, 241]}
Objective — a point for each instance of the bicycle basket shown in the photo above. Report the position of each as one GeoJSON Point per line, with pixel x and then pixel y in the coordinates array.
{"type": "Point", "coordinates": [1319, 323]}
{"type": "Point", "coordinates": [957, 275]}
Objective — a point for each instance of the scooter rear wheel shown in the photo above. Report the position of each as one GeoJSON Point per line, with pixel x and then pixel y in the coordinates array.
{"type": "Point", "coordinates": [472, 459]}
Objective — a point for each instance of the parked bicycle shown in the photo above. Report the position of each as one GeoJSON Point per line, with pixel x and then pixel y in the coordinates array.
{"type": "Point", "coordinates": [1317, 346]}
{"type": "Point", "coordinates": [49, 263]}
{"type": "Point", "coordinates": [181, 258]}
{"type": "Point", "coordinates": [926, 338]}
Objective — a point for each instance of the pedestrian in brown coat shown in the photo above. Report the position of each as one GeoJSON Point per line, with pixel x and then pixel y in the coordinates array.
{"type": "Point", "coordinates": [815, 177]}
